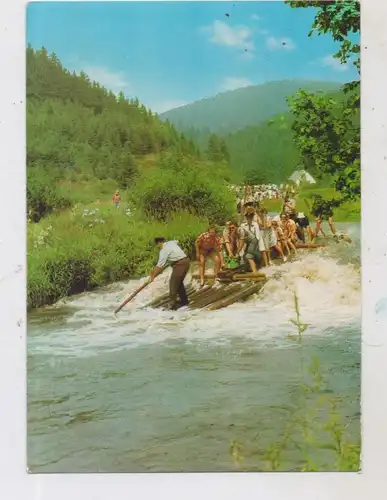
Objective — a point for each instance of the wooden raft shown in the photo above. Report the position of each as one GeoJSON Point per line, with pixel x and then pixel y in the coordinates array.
{"type": "Point", "coordinates": [212, 297]}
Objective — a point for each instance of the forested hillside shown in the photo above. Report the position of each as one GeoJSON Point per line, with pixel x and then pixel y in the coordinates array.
{"type": "Point", "coordinates": [267, 151]}
{"type": "Point", "coordinates": [84, 142]}
{"type": "Point", "coordinates": [76, 129]}
{"type": "Point", "coordinates": [234, 110]}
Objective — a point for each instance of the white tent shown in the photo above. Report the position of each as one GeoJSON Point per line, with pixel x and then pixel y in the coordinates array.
{"type": "Point", "coordinates": [301, 176]}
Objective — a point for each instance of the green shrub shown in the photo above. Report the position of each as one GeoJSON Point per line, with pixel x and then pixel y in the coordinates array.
{"type": "Point", "coordinates": [179, 184]}
{"type": "Point", "coordinates": [85, 192]}
{"type": "Point", "coordinates": [42, 194]}
{"type": "Point", "coordinates": [77, 251]}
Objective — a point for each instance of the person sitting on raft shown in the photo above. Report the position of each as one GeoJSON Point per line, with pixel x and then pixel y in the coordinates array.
{"type": "Point", "coordinates": [209, 246]}
{"type": "Point", "coordinates": [172, 255]}
{"type": "Point", "coordinates": [252, 240]}
{"type": "Point", "coordinates": [288, 227]}
{"type": "Point", "coordinates": [270, 237]}
{"type": "Point", "coordinates": [280, 235]}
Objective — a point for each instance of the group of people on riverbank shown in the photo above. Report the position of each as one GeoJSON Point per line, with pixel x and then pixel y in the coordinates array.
{"type": "Point", "coordinates": [254, 195]}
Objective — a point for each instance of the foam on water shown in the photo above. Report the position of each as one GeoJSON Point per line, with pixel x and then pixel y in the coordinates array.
{"type": "Point", "coordinates": [328, 292]}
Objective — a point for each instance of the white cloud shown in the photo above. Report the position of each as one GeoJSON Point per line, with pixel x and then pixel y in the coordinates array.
{"type": "Point", "coordinates": [113, 80]}
{"type": "Point", "coordinates": [167, 105]}
{"type": "Point", "coordinates": [273, 43]}
{"type": "Point", "coordinates": [333, 63]}
{"type": "Point", "coordinates": [255, 17]}
{"type": "Point", "coordinates": [222, 34]}
{"type": "Point", "coordinates": [232, 83]}
{"type": "Point", "coordinates": [263, 32]}
{"type": "Point", "coordinates": [117, 81]}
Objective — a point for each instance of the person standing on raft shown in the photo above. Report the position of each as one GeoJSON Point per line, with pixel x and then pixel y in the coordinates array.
{"type": "Point", "coordinates": [209, 246]}
{"type": "Point", "coordinates": [322, 210]}
{"type": "Point", "coordinates": [289, 207]}
{"type": "Point", "coordinates": [172, 255]}
{"type": "Point", "coordinates": [231, 237]}
{"type": "Point", "coordinates": [252, 240]}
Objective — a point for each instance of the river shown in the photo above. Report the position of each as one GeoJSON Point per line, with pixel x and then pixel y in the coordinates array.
{"type": "Point", "coordinates": [154, 391]}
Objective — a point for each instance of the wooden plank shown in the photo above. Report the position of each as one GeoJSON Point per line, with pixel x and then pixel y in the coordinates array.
{"type": "Point", "coordinates": [161, 298]}
{"type": "Point", "coordinates": [200, 291]}
{"type": "Point", "coordinates": [214, 298]}
{"type": "Point", "coordinates": [221, 274]}
{"type": "Point", "coordinates": [254, 276]}
{"type": "Point", "coordinates": [217, 294]}
{"type": "Point", "coordinates": [167, 301]}
{"type": "Point", "coordinates": [239, 295]}
{"type": "Point", "coordinates": [207, 276]}
{"type": "Point", "coordinates": [193, 296]}
{"type": "Point", "coordinates": [202, 294]}
{"type": "Point", "coordinates": [232, 275]}
{"type": "Point", "coordinates": [199, 299]}
{"type": "Point", "coordinates": [258, 279]}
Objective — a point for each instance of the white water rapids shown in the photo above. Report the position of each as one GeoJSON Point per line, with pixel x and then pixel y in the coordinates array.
{"type": "Point", "coordinates": [154, 390]}
{"type": "Point", "coordinates": [328, 291]}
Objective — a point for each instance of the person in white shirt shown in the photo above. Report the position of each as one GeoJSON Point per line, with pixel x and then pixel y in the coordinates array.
{"type": "Point", "coordinates": [251, 238]}
{"type": "Point", "coordinates": [270, 237]}
{"type": "Point", "coordinates": [172, 255]}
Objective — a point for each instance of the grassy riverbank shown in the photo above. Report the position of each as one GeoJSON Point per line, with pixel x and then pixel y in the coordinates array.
{"type": "Point", "coordinates": [94, 245]}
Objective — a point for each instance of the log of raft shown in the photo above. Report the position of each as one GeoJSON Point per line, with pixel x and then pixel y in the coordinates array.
{"type": "Point", "coordinates": [202, 294]}
{"type": "Point", "coordinates": [232, 275]}
{"type": "Point", "coordinates": [165, 297]}
{"type": "Point", "coordinates": [207, 276]}
{"type": "Point", "coordinates": [216, 294]}
{"type": "Point", "coordinates": [234, 286]}
{"type": "Point", "coordinates": [249, 276]}
{"type": "Point", "coordinates": [214, 298]}
{"type": "Point", "coordinates": [199, 293]}
{"type": "Point", "coordinates": [167, 300]}
{"type": "Point", "coordinates": [241, 294]}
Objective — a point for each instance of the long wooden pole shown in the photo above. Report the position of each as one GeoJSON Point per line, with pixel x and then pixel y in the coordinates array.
{"type": "Point", "coordinates": [131, 297]}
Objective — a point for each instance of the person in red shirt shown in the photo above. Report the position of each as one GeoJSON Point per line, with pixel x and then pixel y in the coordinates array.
{"type": "Point", "coordinates": [209, 246]}
{"type": "Point", "coordinates": [116, 199]}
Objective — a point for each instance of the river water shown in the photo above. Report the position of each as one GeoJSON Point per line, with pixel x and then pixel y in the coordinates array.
{"type": "Point", "coordinates": [156, 391]}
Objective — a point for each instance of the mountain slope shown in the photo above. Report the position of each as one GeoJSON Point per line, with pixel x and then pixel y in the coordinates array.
{"type": "Point", "coordinates": [79, 131]}
{"type": "Point", "coordinates": [268, 149]}
{"type": "Point", "coordinates": [75, 123]}
{"type": "Point", "coordinates": [234, 110]}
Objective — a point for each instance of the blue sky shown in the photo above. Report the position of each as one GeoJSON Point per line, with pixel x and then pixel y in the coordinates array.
{"type": "Point", "coordinates": [171, 53]}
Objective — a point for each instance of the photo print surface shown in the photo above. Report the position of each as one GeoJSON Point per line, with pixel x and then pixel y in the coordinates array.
{"type": "Point", "coordinates": [193, 208]}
